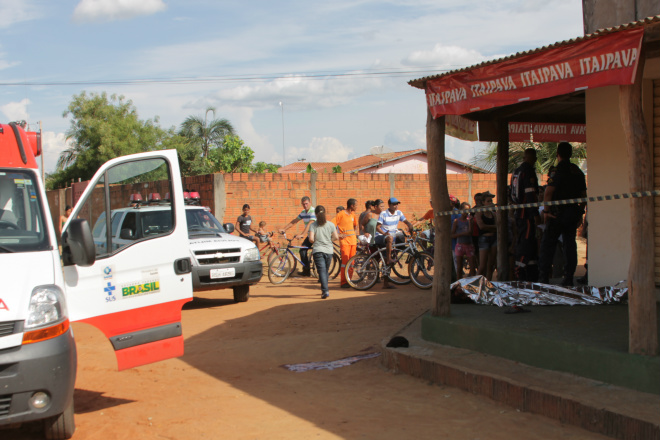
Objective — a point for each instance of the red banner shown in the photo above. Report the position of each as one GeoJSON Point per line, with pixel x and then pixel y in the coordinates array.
{"type": "Point", "coordinates": [610, 59]}
{"type": "Point", "coordinates": [461, 128]}
{"type": "Point", "coordinates": [542, 132]}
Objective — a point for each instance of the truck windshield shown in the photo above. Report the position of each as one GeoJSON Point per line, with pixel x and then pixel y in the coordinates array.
{"type": "Point", "coordinates": [22, 225]}
{"type": "Point", "coordinates": [202, 222]}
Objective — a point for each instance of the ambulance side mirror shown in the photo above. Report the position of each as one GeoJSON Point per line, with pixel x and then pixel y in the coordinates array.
{"type": "Point", "coordinates": [229, 227]}
{"type": "Point", "coordinates": [78, 244]}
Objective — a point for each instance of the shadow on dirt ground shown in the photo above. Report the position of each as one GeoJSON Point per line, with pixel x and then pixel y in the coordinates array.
{"type": "Point", "coordinates": [354, 402]}
{"type": "Point", "coordinates": [231, 382]}
{"type": "Point", "coordinates": [251, 351]}
{"type": "Point", "coordinates": [86, 401]}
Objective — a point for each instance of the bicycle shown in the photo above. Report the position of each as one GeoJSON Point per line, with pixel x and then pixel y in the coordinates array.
{"type": "Point", "coordinates": [270, 249]}
{"type": "Point", "coordinates": [365, 268]}
{"type": "Point", "coordinates": [286, 262]}
{"type": "Point", "coordinates": [335, 266]}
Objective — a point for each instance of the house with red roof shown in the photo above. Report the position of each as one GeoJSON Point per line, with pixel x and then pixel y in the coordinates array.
{"type": "Point", "coordinates": [401, 162]}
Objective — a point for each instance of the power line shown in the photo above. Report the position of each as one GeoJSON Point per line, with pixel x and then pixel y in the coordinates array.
{"type": "Point", "coordinates": [318, 75]}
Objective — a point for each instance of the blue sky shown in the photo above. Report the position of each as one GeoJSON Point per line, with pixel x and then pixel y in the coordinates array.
{"type": "Point", "coordinates": [340, 68]}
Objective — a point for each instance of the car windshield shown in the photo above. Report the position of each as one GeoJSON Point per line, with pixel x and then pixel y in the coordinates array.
{"type": "Point", "coordinates": [22, 224]}
{"type": "Point", "coordinates": [202, 222]}
{"type": "Point", "coordinates": [156, 222]}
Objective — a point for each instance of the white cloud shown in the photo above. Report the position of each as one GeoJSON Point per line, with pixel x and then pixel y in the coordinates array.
{"type": "Point", "coordinates": [13, 12]}
{"type": "Point", "coordinates": [325, 149]}
{"type": "Point", "coordinates": [108, 10]}
{"type": "Point", "coordinates": [462, 150]}
{"type": "Point", "coordinates": [16, 111]}
{"type": "Point", "coordinates": [405, 140]}
{"type": "Point", "coordinates": [451, 56]}
{"type": "Point", "coordinates": [6, 64]}
{"type": "Point", "coordinates": [52, 146]}
{"type": "Point", "coordinates": [298, 93]}
{"type": "Point", "coordinates": [241, 118]}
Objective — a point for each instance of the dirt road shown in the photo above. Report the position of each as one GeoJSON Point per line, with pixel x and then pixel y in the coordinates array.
{"type": "Point", "coordinates": [230, 384]}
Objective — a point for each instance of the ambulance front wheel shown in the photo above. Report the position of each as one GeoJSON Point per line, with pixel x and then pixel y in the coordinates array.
{"type": "Point", "coordinates": [60, 427]}
{"type": "Point", "coordinates": [241, 294]}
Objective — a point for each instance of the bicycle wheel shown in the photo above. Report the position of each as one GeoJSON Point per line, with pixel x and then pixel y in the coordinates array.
{"type": "Point", "coordinates": [312, 267]}
{"type": "Point", "coordinates": [280, 268]}
{"type": "Point", "coordinates": [270, 255]}
{"type": "Point", "coordinates": [399, 273]}
{"type": "Point", "coordinates": [335, 266]}
{"type": "Point", "coordinates": [361, 272]}
{"type": "Point", "coordinates": [422, 270]}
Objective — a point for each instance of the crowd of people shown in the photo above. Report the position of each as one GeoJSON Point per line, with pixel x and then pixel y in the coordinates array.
{"type": "Point", "coordinates": [534, 232]}
{"type": "Point", "coordinates": [378, 224]}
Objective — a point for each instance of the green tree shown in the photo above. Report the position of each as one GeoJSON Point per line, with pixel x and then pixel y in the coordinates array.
{"type": "Point", "coordinates": [546, 153]}
{"type": "Point", "coordinates": [103, 127]}
{"type": "Point", "coordinates": [204, 133]}
{"type": "Point", "coordinates": [310, 169]}
{"type": "Point", "coordinates": [263, 167]}
{"type": "Point", "coordinates": [232, 157]}
{"type": "Point", "coordinates": [336, 169]}
{"type": "Point", "coordinates": [191, 162]}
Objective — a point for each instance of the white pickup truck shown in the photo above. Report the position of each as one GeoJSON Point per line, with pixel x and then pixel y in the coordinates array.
{"type": "Point", "coordinates": [133, 294]}
{"type": "Point", "coordinates": [220, 260]}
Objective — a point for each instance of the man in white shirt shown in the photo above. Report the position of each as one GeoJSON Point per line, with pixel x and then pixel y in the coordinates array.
{"type": "Point", "coordinates": [388, 226]}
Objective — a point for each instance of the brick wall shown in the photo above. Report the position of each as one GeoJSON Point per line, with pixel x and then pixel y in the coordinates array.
{"type": "Point", "coordinates": [275, 198]}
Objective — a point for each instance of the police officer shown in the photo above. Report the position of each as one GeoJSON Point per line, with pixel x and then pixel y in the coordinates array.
{"type": "Point", "coordinates": [524, 189]}
{"type": "Point", "coordinates": [566, 182]}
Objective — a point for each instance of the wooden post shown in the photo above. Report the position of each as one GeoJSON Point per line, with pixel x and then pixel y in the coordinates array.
{"type": "Point", "coordinates": [642, 315]}
{"type": "Point", "coordinates": [435, 144]}
{"type": "Point", "coordinates": [502, 200]}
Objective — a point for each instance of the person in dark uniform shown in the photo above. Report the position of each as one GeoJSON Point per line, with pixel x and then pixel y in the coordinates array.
{"type": "Point", "coordinates": [524, 189]}
{"type": "Point", "coordinates": [567, 182]}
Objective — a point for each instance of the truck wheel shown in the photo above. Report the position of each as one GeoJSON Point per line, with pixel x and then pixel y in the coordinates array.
{"type": "Point", "coordinates": [241, 294]}
{"type": "Point", "coordinates": [60, 427]}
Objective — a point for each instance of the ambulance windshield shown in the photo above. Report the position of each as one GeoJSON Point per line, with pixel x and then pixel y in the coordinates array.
{"type": "Point", "coordinates": [22, 225]}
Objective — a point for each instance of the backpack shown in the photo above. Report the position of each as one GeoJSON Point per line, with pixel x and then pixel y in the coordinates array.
{"type": "Point", "coordinates": [517, 186]}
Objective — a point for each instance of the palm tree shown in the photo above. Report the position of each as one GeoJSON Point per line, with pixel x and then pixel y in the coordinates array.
{"type": "Point", "coordinates": [69, 156]}
{"type": "Point", "coordinates": [546, 153]}
{"type": "Point", "coordinates": [206, 134]}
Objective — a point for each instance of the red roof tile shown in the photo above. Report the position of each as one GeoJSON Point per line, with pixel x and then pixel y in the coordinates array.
{"type": "Point", "coordinates": [365, 162]}
{"type": "Point", "coordinates": [360, 163]}
{"type": "Point", "coordinates": [301, 167]}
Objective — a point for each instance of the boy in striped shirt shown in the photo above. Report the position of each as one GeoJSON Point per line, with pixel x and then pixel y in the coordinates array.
{"type": "Point", "coordinates": [308, 216]}
{"type": "Point", "coordinates": [387, 229]}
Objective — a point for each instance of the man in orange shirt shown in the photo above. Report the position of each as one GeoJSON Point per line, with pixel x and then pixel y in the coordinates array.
{"type": "Point", "coordinates": [347, 227]}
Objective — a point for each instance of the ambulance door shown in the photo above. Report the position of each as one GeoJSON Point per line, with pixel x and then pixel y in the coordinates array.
{"type": "Point", "coordinates": [135, 289]}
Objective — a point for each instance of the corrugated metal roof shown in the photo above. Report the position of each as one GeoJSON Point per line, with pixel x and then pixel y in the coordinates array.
{"type": "Point", "coordinates": [420, 82]}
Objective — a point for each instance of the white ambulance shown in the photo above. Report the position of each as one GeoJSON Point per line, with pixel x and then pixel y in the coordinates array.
{"type": "Point", "coordinates": [133, 294]}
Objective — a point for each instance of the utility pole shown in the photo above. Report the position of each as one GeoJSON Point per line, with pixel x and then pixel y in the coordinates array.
{"type": "Point", "coordinates": [283, 149]}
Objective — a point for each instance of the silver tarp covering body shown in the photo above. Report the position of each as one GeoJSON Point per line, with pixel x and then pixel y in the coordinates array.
{"type": "Point", "coordinates": [520, 293]}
